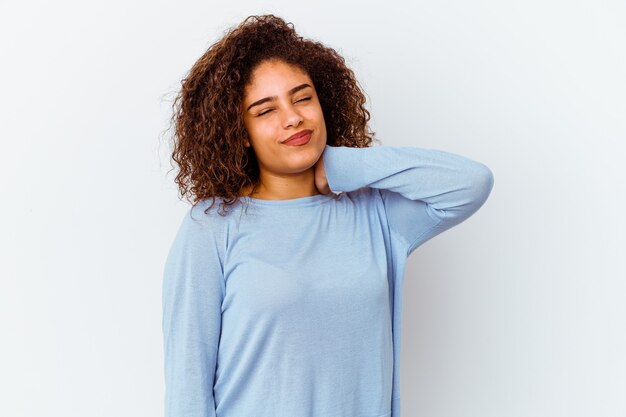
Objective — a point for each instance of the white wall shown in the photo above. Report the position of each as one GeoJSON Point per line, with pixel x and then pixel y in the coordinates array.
{"type": "Point", "coordinates": [519, 311]}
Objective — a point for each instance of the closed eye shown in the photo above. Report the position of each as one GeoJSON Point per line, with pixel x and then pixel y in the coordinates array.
{"type": "Point", "coordinates": [269, 110]}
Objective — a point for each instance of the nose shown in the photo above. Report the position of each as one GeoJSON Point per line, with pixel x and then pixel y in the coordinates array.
{"type": "Point", "coordinates": [292, 117]}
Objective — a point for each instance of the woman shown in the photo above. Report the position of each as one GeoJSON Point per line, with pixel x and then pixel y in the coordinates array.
{"type": "Point", "coordinates": [287, 301]}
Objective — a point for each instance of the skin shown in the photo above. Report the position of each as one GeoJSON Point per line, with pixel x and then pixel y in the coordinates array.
{"type": "Point", "coordinates": [286, 172]}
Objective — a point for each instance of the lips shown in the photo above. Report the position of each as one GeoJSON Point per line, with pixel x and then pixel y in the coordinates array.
{"type": "Point", "coordinates": [298, 137]}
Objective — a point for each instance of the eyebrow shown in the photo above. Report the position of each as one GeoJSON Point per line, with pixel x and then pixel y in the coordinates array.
{"type": "Point", "coordinates": [291, 92]}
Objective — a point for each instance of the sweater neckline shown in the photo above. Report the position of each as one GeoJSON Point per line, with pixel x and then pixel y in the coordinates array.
{"type": "Point", "coordinates": [312, 200]}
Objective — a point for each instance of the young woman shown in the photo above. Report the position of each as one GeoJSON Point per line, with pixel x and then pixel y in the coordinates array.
{"type": "Point", "coordinates": [282, 291]}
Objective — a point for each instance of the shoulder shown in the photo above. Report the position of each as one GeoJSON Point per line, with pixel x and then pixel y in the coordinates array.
{"type": "Point", "coordinates": [363, 201]}
{"type": "Point", "coordinates": [363, 195]}
{"type": "Point", "coordinates": [204, 221]}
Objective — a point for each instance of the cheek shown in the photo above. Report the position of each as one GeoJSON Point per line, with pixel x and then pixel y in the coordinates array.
{"type": "Point", "coordinates": [257, 130]}
{"type": "Point", "coordinates": [319, 114]}
{"type": "Point", "coordinates": [262, 137]}
{"type": "Point", "coordinates": [320, 118]}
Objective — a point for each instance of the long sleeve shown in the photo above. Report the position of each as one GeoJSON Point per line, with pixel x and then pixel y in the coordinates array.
{"type": "Point", "coordinates": [192, 296]}
{"type": "Point", "coordinates": [425, 191]}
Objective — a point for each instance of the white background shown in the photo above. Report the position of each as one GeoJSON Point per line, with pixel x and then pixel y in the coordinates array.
{"type": "Point", "coordinates": [518, 311]}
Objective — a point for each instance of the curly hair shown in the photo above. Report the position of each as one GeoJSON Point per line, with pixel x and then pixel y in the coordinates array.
{"type": "Point", "coordinates": [209, 132]}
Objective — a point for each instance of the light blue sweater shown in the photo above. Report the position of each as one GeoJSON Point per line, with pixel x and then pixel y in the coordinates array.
{"type": "Point", "coordinates": [293, 308]}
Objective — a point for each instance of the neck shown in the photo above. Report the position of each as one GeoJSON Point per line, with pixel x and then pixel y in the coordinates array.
{"type": "Point", "coordinates": [284, 187]}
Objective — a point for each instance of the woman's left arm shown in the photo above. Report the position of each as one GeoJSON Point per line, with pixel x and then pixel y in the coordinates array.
{"type": "Point", "coordinates": [425, 191]}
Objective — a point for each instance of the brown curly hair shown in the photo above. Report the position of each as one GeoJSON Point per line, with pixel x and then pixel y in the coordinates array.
{"type": "Point", "coordinates": [209, 133]}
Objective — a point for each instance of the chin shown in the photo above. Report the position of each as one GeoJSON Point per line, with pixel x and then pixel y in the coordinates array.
{"type": "Point", "coordinates": [302, 161]}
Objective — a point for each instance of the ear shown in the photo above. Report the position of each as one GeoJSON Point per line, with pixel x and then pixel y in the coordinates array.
{"type": "Point", "coordinates": [246, 144]}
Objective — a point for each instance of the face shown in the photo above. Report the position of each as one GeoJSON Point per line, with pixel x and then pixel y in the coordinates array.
{"type": "Point", "coordinates": [279, 101]}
